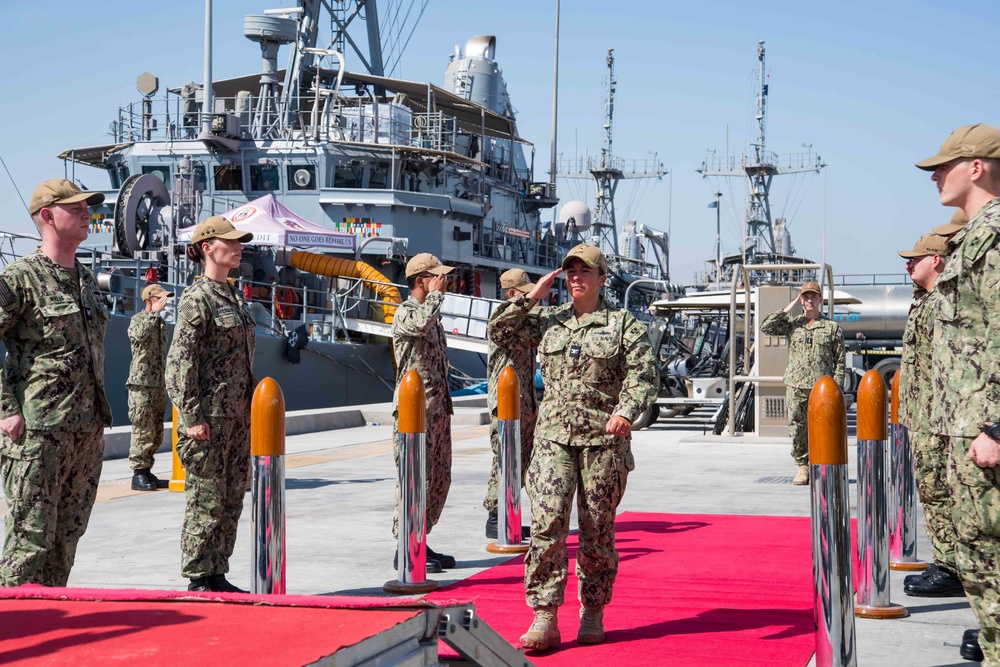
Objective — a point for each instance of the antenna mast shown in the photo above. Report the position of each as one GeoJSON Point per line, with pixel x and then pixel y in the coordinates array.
{"type": "Point", "coordinates": [760, 168]}
{"type": "Point", "coordinates": [609, 170]}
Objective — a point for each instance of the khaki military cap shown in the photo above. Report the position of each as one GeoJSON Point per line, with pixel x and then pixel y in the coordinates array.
{"type": "Point", "coordinates": [928, 244]}
{"type": "Point", "coordinates": [516, 279]}
{"type": "Point", "coordinates": [153, 291]}
{"type": "Point", "coordinates": [426, 263]}
{"type": "Point", "coordinates": [959, 220]}
{"type": "Point", "coordinates": [810, 286]}
{"type": "Point", "coordinates": [61, 191]}
{"type": "Point", "coordinates": [218, 227]}
{"type": "Point", "coordinates": [967, 141]}
{"type": "Point", "coordinates": [590, 254]}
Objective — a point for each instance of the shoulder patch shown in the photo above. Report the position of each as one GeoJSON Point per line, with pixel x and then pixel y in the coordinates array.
{"type": "Point", "coordinates": [978, 242]}
{"type": "Point", "coordinates": [7, 296]}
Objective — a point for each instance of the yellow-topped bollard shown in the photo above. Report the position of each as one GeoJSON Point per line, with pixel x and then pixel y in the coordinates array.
{"type": "Point", "coordinates": [831, 526]}
{"type": "Point", "coordinates": [873, 502]}
{"type": "Point", "coordinates": [872, 408]}
{"type": "Point", "coordinates": [177, 473]}
{"type": "Point", "coordinates": [411, 428]}
{"type": "Point", "coordinates": [267, 449]}
{"type": "Point", "coordinates": [509, 465]}
{"type": "Point", "coordinates": [902, 493]}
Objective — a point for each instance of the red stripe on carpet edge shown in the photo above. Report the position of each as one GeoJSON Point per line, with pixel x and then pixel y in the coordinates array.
{"type": "Point", "coordinates": [691, 590]}
{"type": "Point", "coordinates": [33, 592]}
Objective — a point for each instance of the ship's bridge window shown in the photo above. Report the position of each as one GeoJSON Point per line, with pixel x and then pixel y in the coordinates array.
{"type": "Point", "coordinates": [118, 173]}
{"type": "Point", "coordinates": [348, 175]}
{"type": "Point", "coordinates": [264, 178]}
{"type": "Point", "coordinates": [302, 177]}
{"type": "Point", "coordinates": [228, 177]}
{"type": "Point", "coordinates": [161, 172]}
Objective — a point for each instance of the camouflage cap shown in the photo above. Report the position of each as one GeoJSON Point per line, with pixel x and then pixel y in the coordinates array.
{"type": "Point", "coordinates": [61, 191]}
{"type": "Point", "coordinates": [426, 263]}
{"type": "Point", "coordinates": [218, 227]}
{"type": "Point", "coordinates": [153, 291]}
{"type": "Point", "coordinates": [967, 141]}
{"type": "Point", "coordinates": [928, 244]}
{"type": "Point", "coordinates": [959, 220]}
{"type": "Point", "coordinates": [516, 279]}
{"type": "Point", "coordinates": [810, 286]}
{"type": "Point", "coordinates": [590, 254]}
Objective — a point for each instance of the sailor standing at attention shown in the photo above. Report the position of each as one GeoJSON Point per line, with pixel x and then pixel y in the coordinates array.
{"type": "Point", "coordinates": [599, 376]}
{"type": "Point", "coordinates": [966, 370]}
{"type": "Point", "coordinates": [815, 349]}
{"type": "Point", "coordinates": [210, 380]}
{"type": "Point", "coordinates": [147, 395]}
{"type": "Point", "coordinates": [514, 283]}
{"type": "Point", "coordinates": [418, 343]}
{"type": "Point", "coordinates": [916, 395]}
{"type": "Point", "coordinates": [52, 404]}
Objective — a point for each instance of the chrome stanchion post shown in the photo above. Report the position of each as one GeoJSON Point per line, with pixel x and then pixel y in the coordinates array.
{"type": "Point", "coordinates": [267, 448]}
{"type": "Point", "coordinates": [831, 526]}
{"type": "Point", "coordinates": [509, 464]}
{"type": "Point", "coordinates": [902, 489]}
{"type": "Point", "coordinates": [411, 551]}
{"type": "Point", "coordinates": [873, 515]}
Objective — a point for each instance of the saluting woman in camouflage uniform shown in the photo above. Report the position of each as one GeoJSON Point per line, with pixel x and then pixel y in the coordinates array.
{"type": "Point", "coordinates": [210, 380]}
{"type": "Point", "coordinates": [599, 375]}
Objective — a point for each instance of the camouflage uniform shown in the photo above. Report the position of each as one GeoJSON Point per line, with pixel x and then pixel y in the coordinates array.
{"type": "Point", "coordinates": [930, 455]}
{"type": "Point", "coordinates": [523, 363]}
{"type": "Point", "coordinates": [966, 375]}
{"type": "Point", "coordinates": [52, 323]}
{"type": "Point", "coordinates": [418, 343]}
{"type": "Point", "coordinates": [595, 368]}
{"type": "Point", "coordinates": [814, 350]}
{"type": "Point", "coordinates": [147, 395]}
{"type": "Point", "coordinates": [210, 380]}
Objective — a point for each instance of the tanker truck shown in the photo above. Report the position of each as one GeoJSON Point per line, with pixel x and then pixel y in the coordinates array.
{"type": "Point", "coordinates": [873, 330]}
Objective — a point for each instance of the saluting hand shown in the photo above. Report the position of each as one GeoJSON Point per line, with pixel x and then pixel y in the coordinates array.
{"type": "Point", "coordinates": [543, 286]}
{"type": "Point", "coordinates": [619, 426]}
{"type": "Point", "coordinates": [159, 304]}
{"type": "Point", "coordinates": [438, 283]}
{"type": "Point", "coordinates": [199, 432]}
{"type": "Point", "coordinates": [13, 426]}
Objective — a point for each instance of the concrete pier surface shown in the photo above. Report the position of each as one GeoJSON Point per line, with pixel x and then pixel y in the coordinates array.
{"type": "Point", "coordinates": [339, 517]}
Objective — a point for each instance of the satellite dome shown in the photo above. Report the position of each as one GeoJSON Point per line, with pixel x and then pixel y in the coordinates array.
{"type": "Point", "coordinates": [575, 213]}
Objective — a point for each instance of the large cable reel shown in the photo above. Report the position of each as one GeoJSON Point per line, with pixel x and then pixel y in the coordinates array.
{"type": "Point", "coordinates": [142, 206]}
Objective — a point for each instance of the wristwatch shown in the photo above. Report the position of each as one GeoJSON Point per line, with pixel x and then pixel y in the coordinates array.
{"type": "Point", "coordinates": [992, 430]}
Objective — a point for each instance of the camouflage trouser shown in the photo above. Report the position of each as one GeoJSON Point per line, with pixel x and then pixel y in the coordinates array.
{"type": "Point", "coordinates": [50, 482]}
{"type": "Point", "coordinates": [438, 467]}
{"type": "Point", "coordinates": [930, 464]}
{"type": "Point", "coordinates": [976, 514]}
{"type": "Point", "coordinates": [527, 437]}
{"type": "Point", "coordinates": [146, 407]}
{"type": "Point", "coordinates": [215, 485]}
{"type": "Point", "coordinates": [597, 476]}
{"type": "Point", "coordinates": [797, 405]}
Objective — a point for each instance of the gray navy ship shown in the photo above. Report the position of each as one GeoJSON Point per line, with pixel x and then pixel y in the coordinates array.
{"type": "Point", "coordinates": [350, 173]}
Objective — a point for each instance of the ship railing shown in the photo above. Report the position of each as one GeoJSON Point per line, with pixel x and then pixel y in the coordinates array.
{"type": "Point", "coordinates": [862, 279]}
{"type": "Point", "coordinates": [515, 245]}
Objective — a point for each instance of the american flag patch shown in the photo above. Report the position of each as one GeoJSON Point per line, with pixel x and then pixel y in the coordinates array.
{"type": "Point", "coordinates": [7, 297]}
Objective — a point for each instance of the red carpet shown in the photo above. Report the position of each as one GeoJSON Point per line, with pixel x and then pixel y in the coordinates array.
{"type": "Point", "coordinates": [64, 626]}
{"type": "Point", "coordinates": [691, 590]}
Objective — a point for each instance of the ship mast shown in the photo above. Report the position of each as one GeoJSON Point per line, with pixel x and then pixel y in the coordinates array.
{"type": "Point", "coordinates": [609, 170]}
{"type": "Point", "coordinates": [760, 168]}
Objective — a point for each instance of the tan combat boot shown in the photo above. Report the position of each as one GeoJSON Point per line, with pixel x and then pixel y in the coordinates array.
{"type": "Point", "coordinates": [544, 631]}
{"type": "Point", "coordinates": [802, 478]}
{"type": "Point", "coordinates": [591, 625]}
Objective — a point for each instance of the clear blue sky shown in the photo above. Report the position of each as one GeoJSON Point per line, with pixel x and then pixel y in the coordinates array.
{"type": "Point", "coordinates": [873, 86]}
